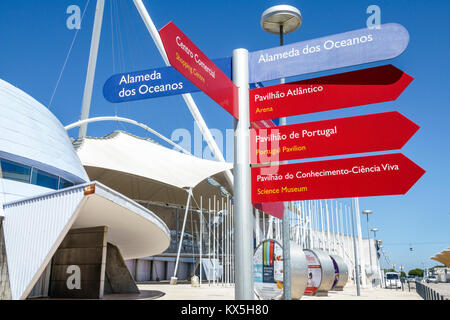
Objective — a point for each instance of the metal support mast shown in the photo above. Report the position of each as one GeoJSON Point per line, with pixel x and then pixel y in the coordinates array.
{"type": "Point", "coordinates": [87, 95]}
{"type": "Point", "coordinates": [187, 96]}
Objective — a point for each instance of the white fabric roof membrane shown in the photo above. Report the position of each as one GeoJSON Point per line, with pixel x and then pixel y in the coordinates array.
{"type": "Point", "coordinates": [126, 153]}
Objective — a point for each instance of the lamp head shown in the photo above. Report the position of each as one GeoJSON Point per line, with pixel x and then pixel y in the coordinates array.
{"type": "Point", "coordinates": [282, 15]}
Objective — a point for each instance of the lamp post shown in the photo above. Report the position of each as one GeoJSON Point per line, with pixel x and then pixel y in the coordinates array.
{"type": "Point", "coordinates": [367, 212]}
{"type": "Point", "coordinates": [379, 246]}
{"type": "Point", "coordinates": [282, 19]}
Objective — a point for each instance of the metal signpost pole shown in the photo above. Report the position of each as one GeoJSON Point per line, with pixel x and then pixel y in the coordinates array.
{"type": "Point", "coordinates": [286, 226]}
{"type": "Point", "coordinates": [243, 222]}
{"type": "Point", "coordinates": [286, 19]}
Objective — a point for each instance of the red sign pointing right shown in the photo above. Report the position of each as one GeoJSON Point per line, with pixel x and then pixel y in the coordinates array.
{"type": "Point", "coordinates": [350, 89]}
{"type": "Point", "coordinates": [380, 175]}
{"type": "Point", "coordinates": [369, 133]}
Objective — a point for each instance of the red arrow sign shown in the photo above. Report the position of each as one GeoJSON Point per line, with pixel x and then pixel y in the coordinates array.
{"type": "Point", "coordinates": [350, 89]}
{"type": "Point", "coordinates": [184, 56]}
{"type": "Point", "coordinates": [379, 175]}
{"type": "Point", "coordinates": [275, 209]}
{"type": "Point", "coordinates": [375, 132]}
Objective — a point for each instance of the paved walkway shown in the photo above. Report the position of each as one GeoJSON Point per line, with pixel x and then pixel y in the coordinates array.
{"type": "Point", "coordinates": [205, 292]}
{"type": "Point", "coordinates": [349, 293]}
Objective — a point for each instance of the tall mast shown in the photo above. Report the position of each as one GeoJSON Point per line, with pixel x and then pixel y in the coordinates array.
{"type": "Point", "coordinates": [87, 95]}
{"type": "Point", "coordinates": [187, 96]}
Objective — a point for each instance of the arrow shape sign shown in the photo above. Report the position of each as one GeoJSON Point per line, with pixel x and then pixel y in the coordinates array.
{"type": "Point", "coordinates": [350, 89]}
{"type": "Point", "coordinates": [335, 51]}
{"type": "Point", "coordinates": [192, 63]}
{"type": "Point", "coordinates": [380, 175]}
{"type": "Point", "coordinates": [369, 133]}
{"type": "Point", "coordinates": [152, 83]}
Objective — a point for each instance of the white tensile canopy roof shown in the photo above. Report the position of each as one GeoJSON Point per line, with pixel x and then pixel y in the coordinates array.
{"type": "Point", "coordinates": [122, 152]}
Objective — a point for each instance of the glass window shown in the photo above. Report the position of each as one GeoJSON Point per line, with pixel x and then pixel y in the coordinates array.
{"type": "Point", "coordinates": [391, 276]}
{"type": "Point", "coordinates": [15, 171]}
{"type": "Point", "coordinates": [63, 183]}
{"type": "Point", "coordinates": [44, 179]}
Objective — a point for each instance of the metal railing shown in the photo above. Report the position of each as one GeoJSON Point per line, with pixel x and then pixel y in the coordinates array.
{"type": "Point", "coordinates": [428, 293]}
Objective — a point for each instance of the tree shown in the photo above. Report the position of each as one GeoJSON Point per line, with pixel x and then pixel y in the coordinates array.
{"type": "Point", "coordinates": [403, 274]}
{"type": "Point", "coordinates": [416, 272]}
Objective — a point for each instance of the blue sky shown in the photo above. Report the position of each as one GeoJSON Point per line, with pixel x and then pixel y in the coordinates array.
{"type": "Point", "coordinates": [35, 41]}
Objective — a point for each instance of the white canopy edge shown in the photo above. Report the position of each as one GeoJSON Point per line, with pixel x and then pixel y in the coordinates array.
{"type": "Point", "coordinates": [121, 151]}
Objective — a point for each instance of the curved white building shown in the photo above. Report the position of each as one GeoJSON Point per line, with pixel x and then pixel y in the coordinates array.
{"type": "Point", "coordinates": [60, 234]}
{"type": "Point", "coordinates": [34, 147]}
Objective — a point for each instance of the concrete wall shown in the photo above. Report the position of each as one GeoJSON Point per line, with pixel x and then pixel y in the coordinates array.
{"type": "Point", "coordinates": [85, 248]}
{"type": "Point", "coordinates": [118, 278]}
{"type": "Point", "coordinates": [5, 290]}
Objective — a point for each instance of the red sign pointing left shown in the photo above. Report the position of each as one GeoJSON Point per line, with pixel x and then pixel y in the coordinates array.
{"type": "Point", "coordinates": [184, 56]}
{"type": "Point", "coordinates": [381, 175]}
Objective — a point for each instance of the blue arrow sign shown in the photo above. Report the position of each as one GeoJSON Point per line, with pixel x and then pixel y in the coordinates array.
{"type": "Point", "coordinates": [153, 83]}
{"type": "Point", "coordinates": [331, 52]}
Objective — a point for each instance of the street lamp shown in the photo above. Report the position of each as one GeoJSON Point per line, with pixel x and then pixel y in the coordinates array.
{"type": "Point", "coordinates": [280, 20]}
{"type": "Point", "coordinates": [374, 230]}
{"type": "Point", "coordinates": [367, 212]}
{"type": "Point", "coordinates": [379, 242]}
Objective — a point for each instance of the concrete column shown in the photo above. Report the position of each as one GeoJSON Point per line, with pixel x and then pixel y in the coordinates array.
{"type": "Point", "coordinates": [84, 250]}
{"type": "Point", "coordinates": [118, 278]}
{"type": "Point", "coordinates": [5, 289]}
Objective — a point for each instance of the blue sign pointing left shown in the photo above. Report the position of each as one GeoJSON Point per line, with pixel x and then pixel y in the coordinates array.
{"type": "Point", "coordinates": [153, 83]}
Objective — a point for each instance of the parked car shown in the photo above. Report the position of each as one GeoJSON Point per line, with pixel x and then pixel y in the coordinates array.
{"type": "Point", "coordinates": [411, 278]}
{"type": "Point", "coordinates": [393, 280]}
{"type": "Point", "coordinates": [419, 279]}
{"type": "Point", "coordinates": [431, 279]}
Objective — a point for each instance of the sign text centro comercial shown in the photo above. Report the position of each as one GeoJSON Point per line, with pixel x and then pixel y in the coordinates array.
{"type": "Point", "coordinates": [192, 63]}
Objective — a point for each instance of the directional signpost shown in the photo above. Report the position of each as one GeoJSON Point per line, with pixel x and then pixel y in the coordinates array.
{"type": "Point", "coordinates": [389, 174]}
{"type": "Point", "coordinates": [369, 133]}
{"type": "Point", "coordinates": [380, 175]}
{"type": "Point", "coordinates": [353, 177]}
{"type": "Point", "coordinates": [350, 89]}
{"type": "Point", "coordinates": [184, 56]}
